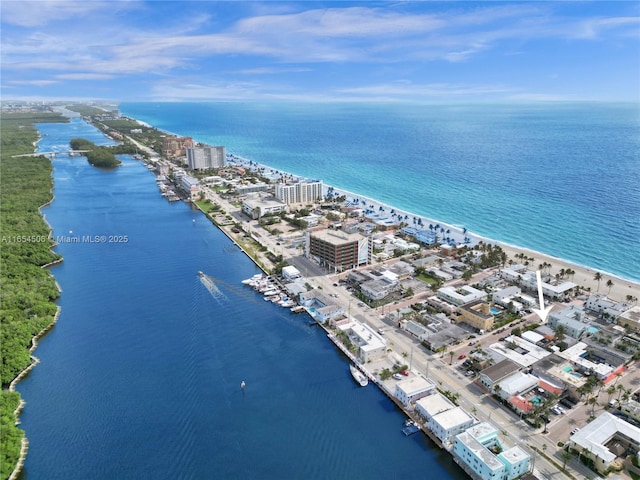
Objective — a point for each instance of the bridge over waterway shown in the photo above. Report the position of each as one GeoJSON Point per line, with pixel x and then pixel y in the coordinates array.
{"type": "Point", "coordinates": [71, 153]}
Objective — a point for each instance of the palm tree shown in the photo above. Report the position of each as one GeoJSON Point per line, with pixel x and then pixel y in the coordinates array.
{"type": "Point", "coordinates": [593, 401]}
{"type": "Point", "coordinates": [565, 456]}
{"type": "Point", "coordinates": [610, 391]}
{"type": "Point", "coordinates": [609, 284]}
{"type": "Point", "coordinates": [620, 389]}
{"type": "Point", "coordinates": [450, 357]}
{"type": "Point", "coordinates": [598, 277]}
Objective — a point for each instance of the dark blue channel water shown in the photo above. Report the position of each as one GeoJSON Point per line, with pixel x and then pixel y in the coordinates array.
{"type": "Point", "coordinates": [140, 378]}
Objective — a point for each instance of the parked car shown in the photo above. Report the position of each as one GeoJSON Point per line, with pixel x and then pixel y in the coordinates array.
{"type": "Point", "coordinates": [404, 372]}
{"type": "Point", "coordinates": [566, 402]}
{"type": "Point", "coordinates": [469, 373]}
{"type": "Point", "coordinates": [380, 331]}
{"type": "Point", "coordinates": [397, 376]}
{"type": "Point", "coordinates": [461, 356]}
{"type": "Point", "coordinates": [574, 431]}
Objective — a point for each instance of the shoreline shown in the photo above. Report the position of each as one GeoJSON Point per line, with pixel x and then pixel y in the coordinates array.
{"type": "Point", "coordinates": [584, 273]}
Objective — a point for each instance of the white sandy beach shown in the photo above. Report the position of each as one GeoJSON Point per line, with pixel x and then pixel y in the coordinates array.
{"type": "Point", "coordinates": [584, 276]}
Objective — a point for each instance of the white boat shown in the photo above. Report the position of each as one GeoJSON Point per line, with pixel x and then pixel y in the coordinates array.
{"type": "Point", "coordinates": [358, 376]}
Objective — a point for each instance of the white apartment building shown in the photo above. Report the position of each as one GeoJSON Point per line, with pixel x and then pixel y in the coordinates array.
{"type": "Point", "coordinates": [474, 450]}
{"type": "Point", "coordinates": [605, 438]}
{"type": "Point", "coordinates": [205, 158]}
{"type": "Point", "coordinates": [460, 296]}
{"type": "Point", "coordinates": [371, 346]}
{"type": "Point", "coordinates": [190, 185]}
{"type": "Point", "coordinates": [301, 192]}
{"type": "Point", "coordinates": [602, 304]}
{"type": "Point", "coordinates": [412, 389]}
{"type": "Point", "coordinates": [446, 425]}
{"type": "Point", "coordinates": [256, 207]}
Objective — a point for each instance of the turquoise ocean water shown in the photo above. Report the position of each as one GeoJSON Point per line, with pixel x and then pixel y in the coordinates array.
{"type": "Point", "coordinates": [140, 378]}
{"type": "Point", "coordinates": [560, 178]}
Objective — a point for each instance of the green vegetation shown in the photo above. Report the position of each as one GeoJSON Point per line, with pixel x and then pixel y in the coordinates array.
{"type": "Point", "coordinates": [29, 291]}
{"type": "Point", "coordinates": [10, 435]}
{"type": "Point", "coordinates": [86, 110]}
{"type": "Point", "coordinates": [18, 134]}
{"type": "Point", "coordinates": [97, 156]}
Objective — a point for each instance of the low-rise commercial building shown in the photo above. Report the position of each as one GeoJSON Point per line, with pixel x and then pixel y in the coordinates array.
{"type": "Point", "coordinates": [190, 185]}
{"type": "Point", "coordinates": [492, 375]}
{"type": "Point", "coordinates": [247, 188]}
{"type": "Point", "coordinates": [256, 207]}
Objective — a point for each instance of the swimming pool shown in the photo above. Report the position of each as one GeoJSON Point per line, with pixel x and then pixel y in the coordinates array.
{"type": "Point", "coordinates": [536, 400]}
{"type": "Point", "coordinates": [494, 310]}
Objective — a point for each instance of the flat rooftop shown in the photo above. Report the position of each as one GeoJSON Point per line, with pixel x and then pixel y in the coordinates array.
{"type": "Point", "coordinates": [434, 404]}
{"type": "Point", "coordinates": [336, 237]}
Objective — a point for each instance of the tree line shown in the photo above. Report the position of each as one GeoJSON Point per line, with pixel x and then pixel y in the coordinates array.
{"type": "Point", "coordinates": [97, 156]}
{"type": "Point", "coordinates": [29, 292]}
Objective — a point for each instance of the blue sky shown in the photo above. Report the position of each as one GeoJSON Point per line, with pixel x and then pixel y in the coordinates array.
{"type": "Point", "coordinates": [320, 51]}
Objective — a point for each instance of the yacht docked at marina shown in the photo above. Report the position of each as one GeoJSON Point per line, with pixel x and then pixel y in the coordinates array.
{"type": "Point", "coordinates": [358, 376]}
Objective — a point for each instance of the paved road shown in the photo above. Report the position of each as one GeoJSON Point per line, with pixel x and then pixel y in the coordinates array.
{"type": "Point", "coordinates": [449, 377]}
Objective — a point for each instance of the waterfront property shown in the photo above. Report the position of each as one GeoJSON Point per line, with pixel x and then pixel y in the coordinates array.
{"type": "Point", "coordinates": [290, 273]}
{"type": "Point", "coordinates": [173, 147]}
{"type": "Point", "coordinates": [412, 389]}
{"type": "Point", "coordinates": [519, 274]}
{"type": "Point", "coordinates": [205, 158]}
{"type": "Point", "coordinates": [482, 455]}
{"type": "Point", "coordinates": [370, 345]}
{"type": "Point", "coordinates": [606, 439]}
{"type": "Point", "coordinates": [299, 192]}
{"type": "Point", "coordinates": [442, 418]}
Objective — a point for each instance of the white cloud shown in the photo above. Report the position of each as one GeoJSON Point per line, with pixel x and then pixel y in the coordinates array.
{"type": "Point", "coordinates": [35, 83]}
{"type": "Point", "coordinates": [270, 70]}
{"type": "Point", "coordinates": [84, 76]}
{"type": "Point", "coordinates": [43, 12]}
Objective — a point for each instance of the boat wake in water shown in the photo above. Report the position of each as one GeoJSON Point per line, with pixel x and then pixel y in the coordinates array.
{"type": "Point", "coordinates": [210, 285]}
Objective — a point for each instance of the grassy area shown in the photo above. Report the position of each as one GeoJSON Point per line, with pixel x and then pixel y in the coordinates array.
{"type": "Point", "coordinates": [433, 282]}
